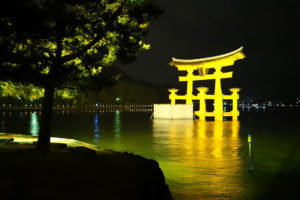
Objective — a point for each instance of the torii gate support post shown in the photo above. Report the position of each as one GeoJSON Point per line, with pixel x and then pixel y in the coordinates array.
{"type": "Point", "coordinates": [201, 95]}
{"type": "Point", "coordinates": [235, 97]}
{"type": "Point", "coordinates": [218, 108]}
{"type": "Point", "coordinates": [172, 95]}
{"type": "Point", "coordinates": [189, 91]}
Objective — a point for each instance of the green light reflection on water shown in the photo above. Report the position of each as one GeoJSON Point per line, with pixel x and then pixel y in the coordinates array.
{"type": "Point", "coordinates": [34, 124]}
{"type": "Point", "coordinates": [117, 131]}
{"type": "Point", "coordinates": [117, 124]}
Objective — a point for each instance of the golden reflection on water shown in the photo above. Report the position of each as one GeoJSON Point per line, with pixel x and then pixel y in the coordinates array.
{"type": "Point", "coordinates": [204, 158]}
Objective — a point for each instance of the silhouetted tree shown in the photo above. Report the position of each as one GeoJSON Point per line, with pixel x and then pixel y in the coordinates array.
{"type": "Point", "coordinates": [56, 43]}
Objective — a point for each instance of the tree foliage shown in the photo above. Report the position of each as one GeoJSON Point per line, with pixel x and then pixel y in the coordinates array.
{"type": "Point", "coordinates": [10, 89]}
{"type": "Point", "coordinates": [32, 92]}
{"type": "Point", "coordinates": [79, 37]}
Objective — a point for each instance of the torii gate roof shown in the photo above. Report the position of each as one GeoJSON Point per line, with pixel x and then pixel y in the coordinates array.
{"type": "Point", "coordinates": [232, 56]}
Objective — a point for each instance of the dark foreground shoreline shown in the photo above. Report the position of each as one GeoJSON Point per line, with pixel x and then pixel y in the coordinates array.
{"type": "Point", "coordinates": [77, 172]}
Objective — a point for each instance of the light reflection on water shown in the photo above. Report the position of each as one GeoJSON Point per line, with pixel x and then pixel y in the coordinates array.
{"type": "Point", "coordinates": [202, 159]}
{"type": "Point", "coordinates": [96, 127]}
{"type": "Point", "coordinates": [34, 124]}
{"type": "Point", "coordinates": [117, 124]}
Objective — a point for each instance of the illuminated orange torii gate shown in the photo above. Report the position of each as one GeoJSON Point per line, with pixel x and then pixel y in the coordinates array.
{"type": "Point", "coordinates": [203, 65]}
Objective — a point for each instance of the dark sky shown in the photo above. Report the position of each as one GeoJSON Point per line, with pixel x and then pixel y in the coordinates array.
{"type": "Point", "coordinates": [191, 29]}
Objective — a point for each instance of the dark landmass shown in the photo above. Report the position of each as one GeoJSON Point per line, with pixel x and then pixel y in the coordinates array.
{"type": "Point", "coordinates": [77, 173]}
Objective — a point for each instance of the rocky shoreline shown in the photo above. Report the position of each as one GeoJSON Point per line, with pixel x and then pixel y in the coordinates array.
{"type": "Point", "coordinates": [76, 170]}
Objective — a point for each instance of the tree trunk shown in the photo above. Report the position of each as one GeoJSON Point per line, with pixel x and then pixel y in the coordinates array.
{"type": "Point", "coordinates": [82, 99]}
{"type": "Point", "coordinates": [43, 144]}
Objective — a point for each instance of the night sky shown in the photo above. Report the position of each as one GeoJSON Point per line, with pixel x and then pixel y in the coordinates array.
{"type": "Point", "coordinates": [193, 29]}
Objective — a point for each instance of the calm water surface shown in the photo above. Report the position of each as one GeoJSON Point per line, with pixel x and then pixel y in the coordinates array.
{"type": "Point", "coordinates": [200, 160]}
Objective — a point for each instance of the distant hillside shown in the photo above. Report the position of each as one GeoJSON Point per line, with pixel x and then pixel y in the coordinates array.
{"type": "Point", "coordinates": [127, 91]}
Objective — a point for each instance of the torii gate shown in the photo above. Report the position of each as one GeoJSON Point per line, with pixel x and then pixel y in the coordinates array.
{"type": "Point", "coordinates": [203, 65]}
